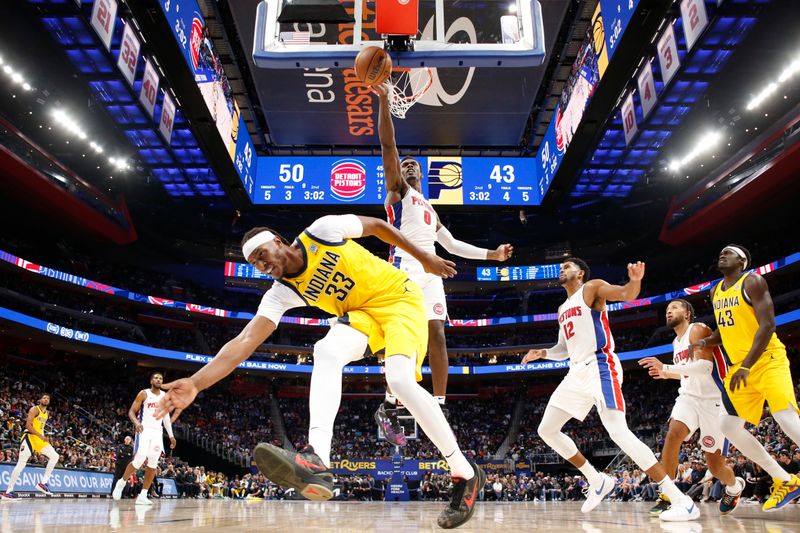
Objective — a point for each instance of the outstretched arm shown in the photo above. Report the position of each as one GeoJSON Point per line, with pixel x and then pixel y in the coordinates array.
{"type": "Point", "coordinates": [468, 251]}
{"type": "Point", "coordinates": [391, 159]}
{"type": "Point", "coordinates": [598, 288]}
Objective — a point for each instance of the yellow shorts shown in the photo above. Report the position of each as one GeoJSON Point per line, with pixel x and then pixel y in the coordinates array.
{"type": "Point", "coordinates": [770, 379]}
{"type": "Point", "coordinates": [396, 322]}
{"type": "Point", "coordinates": [35, 444]}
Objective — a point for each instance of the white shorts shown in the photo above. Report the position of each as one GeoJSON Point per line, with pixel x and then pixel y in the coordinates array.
{"type": "Point", "coordinates": [148, 445]}
{"type": "Point", "coordinates": [703, 414]}
{"type": "Point", "coordinates": [596, 382]}
{"type": "Point", "coordinates": [432, 289]}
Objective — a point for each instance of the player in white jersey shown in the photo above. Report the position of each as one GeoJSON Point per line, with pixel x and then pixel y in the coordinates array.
{"type": "Point", "coordinates": [410, 212]}
{"type": "Point", "coordinates": [698, 403]}
{"type": "Point", "coordinates": [595, 379]}
{"type": "Point", "coordinates": [149, 438]}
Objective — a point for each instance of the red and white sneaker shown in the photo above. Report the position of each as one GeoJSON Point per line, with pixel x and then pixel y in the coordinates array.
{"type": "Point", "coordinates": [44, 489]}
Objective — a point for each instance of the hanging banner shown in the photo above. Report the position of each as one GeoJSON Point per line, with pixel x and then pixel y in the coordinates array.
{"type": "Point", "coordinates": [104, 13]}
{"type": "Point", "coordinates": [167, 118]}
{"type": "Point", "coordinates": [647, 89]}
{"type": "Point", "coordinates": [629, 118]}
{"type": "Point", "coordinates": [149, 92]}
{"type": "Point", "coordinates": [128, 58]}
{"type": "Point", "coordinates": [668, 54]}
{"type": "Point", "coordinates": [695, 20]}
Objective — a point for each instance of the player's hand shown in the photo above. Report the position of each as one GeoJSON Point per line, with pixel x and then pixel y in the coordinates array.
{"type": "Point", "coordinates": [172, 443]}
{"type": "Point", "coordinates": [443, 268]}
{"type": "Point", "coordinates": [636, 271]}
{"type": "Point", "coordinates": [139, 427]}
{"type": "Point", "coordinates": [654, 367]}
{"type": "Point", "coordinates": [181, 393]}
{"type": "Point", "coordinates": [381, 89]}
{"type": "Point", "coordinates": [739, 379]}
{"type": "Point", "coordinates": [502, 253]}
{"type": "Point", "coordinates": [533, 355]}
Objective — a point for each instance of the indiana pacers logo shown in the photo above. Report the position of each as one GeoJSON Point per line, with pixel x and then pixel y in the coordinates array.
{"type": "Point", "coordinates": [445, 184]}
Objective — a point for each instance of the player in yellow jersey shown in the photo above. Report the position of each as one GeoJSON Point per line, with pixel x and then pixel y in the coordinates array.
{"type": "Point", "coordinates": [34, 441]}
{"type": "Point", "coordinates": [759, 368]}
{"type": "Point", "coordinates": [378, 306]}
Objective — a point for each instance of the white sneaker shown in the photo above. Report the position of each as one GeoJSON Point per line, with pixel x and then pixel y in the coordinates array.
{"type": "Point", "coordinates": [596, 492]}
{"type": "Point", "coordinates": [119, 486]}
{"type": "Point", "coordinates": [141, 499]}
{"type": "Point", "coordinates": [681, 511]}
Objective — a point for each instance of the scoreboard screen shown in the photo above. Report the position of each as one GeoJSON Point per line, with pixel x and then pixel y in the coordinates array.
{"type": "Point", "coordinates": [518, 273]}
{"type": "Point", "coordinates": [361, 180]}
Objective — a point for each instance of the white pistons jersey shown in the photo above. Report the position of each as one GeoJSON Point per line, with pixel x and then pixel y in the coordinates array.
{"type": "Point", "coordinates": [147, 413]}
{"type": "Point", "coordinates": [414, 217]}
{"type": "Point", "coordinates": [706, 387]}
{"type": "Point", "coordinates": [586, 332]}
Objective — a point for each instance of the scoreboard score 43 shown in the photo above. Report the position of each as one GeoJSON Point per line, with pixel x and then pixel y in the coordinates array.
{"type": "Point", "coordinates": [361, 180]}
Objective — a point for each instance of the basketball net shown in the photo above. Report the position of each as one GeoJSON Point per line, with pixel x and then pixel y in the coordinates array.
{"type": "Point", "coordinates": [408, 86]}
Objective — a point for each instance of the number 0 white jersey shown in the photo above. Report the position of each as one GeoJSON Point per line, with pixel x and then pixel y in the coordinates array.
{"type": "Point", "coordinates": [707, 387]}
{"type": "Point", "coordinates": [414, 217]}
{"type": "Point", "coordinates": [147, 412]}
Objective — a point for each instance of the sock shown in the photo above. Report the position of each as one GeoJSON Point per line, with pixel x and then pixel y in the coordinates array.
{"type": "Point", "coordinates": [789, 421]}
{"type": "Point", "coordinates": [591, 473]}
{"type": "Point", "coordinates": [390, 400]}
{"type": "Point", "coordinates": [52, 460]}
{"type": "Point", "coordinates": [733, 428]}
{"type": "Point", "coordinates": [419, 402]}
{"type": "Point", "coordinates": [668, 487]}
{"type": "Point", "coordinates": [735, 489]}
{"type": "Point", "coordinates": [440, 399]}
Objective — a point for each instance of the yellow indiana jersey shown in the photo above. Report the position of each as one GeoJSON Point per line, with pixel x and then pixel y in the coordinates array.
{"type": "Point", "coordinates": [40, 420]}
{"type": "Point", "coordinates": [737, 323]}
{"type": "Point", "coordinates": [341, 276]}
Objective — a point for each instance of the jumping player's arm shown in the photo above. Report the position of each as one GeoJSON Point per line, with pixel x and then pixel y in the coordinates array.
{"type": "Point", "coordinates": [135, 406]}
{"type": "Point", "coordinates": [391, 158]}
{"type": "Point", "coordinates": [32, 412]}
{"type": "Point", "coordinates": [598, 289]}
{"type": "Point", "coordinates": [756, 288]}
{"type": "Point", "coordinates": [468, 251]}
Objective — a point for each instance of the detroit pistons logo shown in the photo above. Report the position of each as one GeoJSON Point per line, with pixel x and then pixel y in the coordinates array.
{"type": "Point", "coordinates": [438, 309]}
{"type": "Point", "coordinates": [348, 180]}
{"type": "Point", "coordinates": [708, 441]}
{"type": "Point", "coordinates": [195, 38]}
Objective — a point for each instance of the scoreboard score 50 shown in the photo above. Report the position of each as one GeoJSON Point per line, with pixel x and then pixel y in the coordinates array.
{"type": "Point", "coordinates": [361, 180]}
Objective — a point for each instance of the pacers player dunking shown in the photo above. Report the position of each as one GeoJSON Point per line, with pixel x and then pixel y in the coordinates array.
{"type": "Point", "coordinates": [34, 441]}
{"type": "Point", "coordinates": [377, 304]}
{"type": "Point", "coordinates": [149, 438]}
{"type": "Point", "coordinates": [409, 211]}
{"type": "Point", "coordinates": [759, 368]}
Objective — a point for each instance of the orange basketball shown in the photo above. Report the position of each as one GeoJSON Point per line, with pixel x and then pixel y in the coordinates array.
{"type": "Point", "coordinates": [373, 65]}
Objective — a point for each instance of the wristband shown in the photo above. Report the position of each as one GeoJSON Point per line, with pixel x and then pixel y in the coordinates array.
{"type": "Point", "coordinates": [745, 369]}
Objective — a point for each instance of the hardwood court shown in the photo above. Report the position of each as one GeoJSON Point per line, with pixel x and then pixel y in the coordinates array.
{"type": "Point", "coordinates": [67, 516]}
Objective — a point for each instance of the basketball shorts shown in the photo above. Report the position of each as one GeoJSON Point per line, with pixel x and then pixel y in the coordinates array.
{"type": "Point", "coordinates": [148, 445]}
{"type": "Point", "coordinates": [34, 443]}
{"type": "Point", "coordinates": [769, 380]}
{"type": "Point", "coordinates": [593, 382]}
{"type": "Point", "coordinates": [432, 288]}
{"type": "Point", "coordinates": [703, 414]}
{"type": "Point", "coordinates": [396, 322]}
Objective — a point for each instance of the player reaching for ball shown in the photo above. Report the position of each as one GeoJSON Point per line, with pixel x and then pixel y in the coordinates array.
{"type": "Point", "coordinates": [409, 211]}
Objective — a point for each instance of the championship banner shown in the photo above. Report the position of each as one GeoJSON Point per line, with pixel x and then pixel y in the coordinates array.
{"type": "Point", "coordinates": [64, 481]}
{"type": "Point", "coordinates": [647, 88]}
{"type": "Point", "coordinates": [628, 112]}
{"type": "Point", "coordinates": [695, 20]}
{"type": "Point", "coordinates": [128, 58]}
{"type": "Point", "coordinates": [104, 13]}
{"type": "Point", "coordinates": [668, 58]}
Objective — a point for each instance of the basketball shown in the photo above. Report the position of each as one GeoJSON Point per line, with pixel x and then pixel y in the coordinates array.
{"type": "Point", "coordinates": [373, 65]}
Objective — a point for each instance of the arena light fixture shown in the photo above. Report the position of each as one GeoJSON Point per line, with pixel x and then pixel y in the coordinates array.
{"type": "Point", "coordinates": [704, 144]}
{"type": "Point", "coordinates": [786, 74]}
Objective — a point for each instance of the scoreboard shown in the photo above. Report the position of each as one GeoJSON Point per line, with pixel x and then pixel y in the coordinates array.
{"type": "Point", "coordinates": [518, 273]}
{"type": "Point", "coordinates": [361, 180]}
{"type": "Point", "coordinates": [244, 270]}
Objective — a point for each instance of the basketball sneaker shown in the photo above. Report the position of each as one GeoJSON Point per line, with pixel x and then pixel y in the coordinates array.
{"type": "Point", "coordinates": [596, 492]}
{"type": "Point", "coordinates": [8, 496]}
{"type": "Point", "coordinates": [782, 493]}
{"type": "Point", "coordinates": [390, 425]}
{"type": "Point", "coordinates": [729, 501]}
{"type": "Point", "coordinates": [662, 505]}
{"type": "Point", "coordinates": [119, 486]}
{"type": "Point", "coordinates": [141, 499]}
{"type": "Point", "coordinates": [462, 501]}
{"type": "Point", "coordinates": [43, 488]}
{"type": "Point", "coordinates": [303, 471]}
{"type": "Point", "coordinates": [681, 511]}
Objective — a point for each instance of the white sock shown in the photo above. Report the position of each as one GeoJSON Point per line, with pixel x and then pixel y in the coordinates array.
{"type": "Point", "coordinates": [789, 421]}
{"type": "Point", "coordinates": [670, 490]}
{"type": "Point", "coordinates": [400, 377]}
{"type": "Point", "coordinates": [390, 398]}
{"type": "Point", "coordinates": [22, 460]}
{"type": "Point", "coordinates": [734, 489]}
{"type": "Point", "coordinates": [733, 428]}
{"type": "Point", "coordinates": [440, 399]}
{"type": "Point", "coordinates": [591, 473]}
{"type": "Point", "coordinates": [52, 461]}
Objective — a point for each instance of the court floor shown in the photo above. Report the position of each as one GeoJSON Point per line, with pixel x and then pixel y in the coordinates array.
{"type": "Point", "coordinates": [67, 516]}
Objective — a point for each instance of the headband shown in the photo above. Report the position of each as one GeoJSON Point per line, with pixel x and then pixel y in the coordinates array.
{"type": "Point", "coordinates": [738, 251]}
{"type": "Point", "coordinates": [255, 241]}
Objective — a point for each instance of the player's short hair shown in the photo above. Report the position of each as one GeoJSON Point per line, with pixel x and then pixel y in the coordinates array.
{"type": "Point", "coordinates": [686, 305]}
{"type": "Point", "coordinates": [153, 374]}
{"type": "Point", "coordinates": [256, 231]}
{"type": "Point", "coordinates": [746, 254]}
{"type": "Point", "coordinates": [581, 264]}
{"type": "Point", "coordinates": [42, 395]}
{"type": "Point", "coordinates": [408, 157]}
